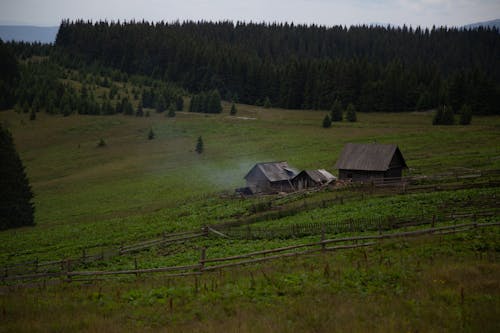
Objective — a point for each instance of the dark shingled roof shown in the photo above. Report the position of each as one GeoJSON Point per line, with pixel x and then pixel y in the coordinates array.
{"type": "Point", "coordinates": [368, 157]}
{"type": "Point", "coordinates": [275, 171]}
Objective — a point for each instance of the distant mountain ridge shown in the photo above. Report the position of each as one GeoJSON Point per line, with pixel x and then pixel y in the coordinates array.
{"type": "Point", "coordinates": [28, 33]}
{"type": "Point", "coordinates": [491, 24]}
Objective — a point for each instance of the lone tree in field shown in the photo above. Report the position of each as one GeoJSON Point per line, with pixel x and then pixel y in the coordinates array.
{"type": "Point", "coordinates": [16, 207]}
{"type": "Point", "coordinates": [350, 113]}
{"type": "Point", "coordinates": [151, 134]}
{"type": "Point", "coordinates": [233, 110]}
{"type": "Point", "coordinates": [336, 111]}
{"type": "Point", "coordinates": [101, 143]}
{"type": "Point", "coordinates": [199, 145]}
{"type": "Point", "coordinates": [465, 115]}
{"type": "Point", "coordinates": [327, 122]}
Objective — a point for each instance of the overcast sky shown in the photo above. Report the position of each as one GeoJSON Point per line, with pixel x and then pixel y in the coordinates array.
{"type": "Point", "coordinates": [325, 12]}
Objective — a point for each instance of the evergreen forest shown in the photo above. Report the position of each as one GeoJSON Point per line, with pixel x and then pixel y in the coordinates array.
{"type": "Point", "coordinates": [377, 69]}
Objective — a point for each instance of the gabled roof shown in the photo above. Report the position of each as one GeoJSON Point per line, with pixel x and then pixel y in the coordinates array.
{"type": "Point", "coordinates": [319, 176]}
{"type": "Point", "coordinates": [275, 171]}
{"type": "Point", "coordinates": [368, 157]}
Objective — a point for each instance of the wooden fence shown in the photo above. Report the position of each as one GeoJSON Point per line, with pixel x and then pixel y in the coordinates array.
{"type": "Point", "coordinates": [350, 225]}
{"type": "Point", "coordinates": [205, 264]}
{"type": "Point", "coordinates": [55, 266]}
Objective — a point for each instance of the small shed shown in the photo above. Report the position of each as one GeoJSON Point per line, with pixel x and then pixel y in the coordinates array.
{"type": "Point", "coordinates": [360, 162]}
{"type": "Point", "coordinates": [270, 177]}
{"type": "Point", "coordinates": [312, 178]}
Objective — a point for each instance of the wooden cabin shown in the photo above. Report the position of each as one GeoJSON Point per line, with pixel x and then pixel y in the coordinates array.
{"type": "Point", "coordinates": [270, 177]}
{"type": "Point", "coordinates": [361, 162]}
{"type": "Point", "coordinates": [312, 178]}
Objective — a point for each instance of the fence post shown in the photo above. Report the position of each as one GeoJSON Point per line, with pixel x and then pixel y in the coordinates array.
{"type": "Point", "coordinates": [68, 269]}
{"type": "Point", "coordinates": [36, 265]}
{"type": "Point", "coordinates": [84, 255]}
{"type": "Point", "coordinates": [323, 237]}
{"type": "Point", "coordinates": [433, 221]}
{"type": "Point", "coordinates": [202, 258]}
{"type": "Point", "coordinates": [205, 231]}
{"type": "Point", "coordinates": [135, 267]}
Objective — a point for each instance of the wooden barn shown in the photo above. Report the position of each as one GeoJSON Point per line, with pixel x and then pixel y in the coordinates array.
{"type": "Point", "coordinates": [312, 178]}
{"type": "Point", "coordinates": [270, 177]}
{"type": "Point", "coordinates": [361, 162]}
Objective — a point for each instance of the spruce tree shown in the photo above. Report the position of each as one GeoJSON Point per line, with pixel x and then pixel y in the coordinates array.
{"type": "Point", "coordinates": [351, 113]}
{"type": "Point", "coordinates": [465, 115]}
{"type": "Point", "coordinates": [171, 111]}
{"type": "Point", "coordinates": [179, 103]}
{"type": "Point", "coordinates": [448, 117]}
{"type": "Point", "coordinates": [160, 104]}
{"type": "Point", "coordinates": [32, 114]}
{"type": "Point", "coordinates": [336, 111]}
{"type": "Point", "coordinates": [213, 102]}
{"type": "Point", "coordinates": [267, 103]}
{"type": "Point", "coordinates": [233, 110]}
{"type": "Point", "coordinates": [438, 117]}
{"type": "Point", "coordinates": [101, 143]}
{"type": "Point", "coordinates": [16, 208]}
{"type": "Point", "coordinates": [151, 134]}
{"type": "Point", "coordinates": [140, 111]}
{"type": "Point", "coordinates": [327, 122]}
{"type": "Point", "coordinates": [199, 145]}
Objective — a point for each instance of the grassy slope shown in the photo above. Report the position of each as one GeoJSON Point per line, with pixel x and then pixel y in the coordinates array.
{"type": "Point", "coordinates": [134, 189]}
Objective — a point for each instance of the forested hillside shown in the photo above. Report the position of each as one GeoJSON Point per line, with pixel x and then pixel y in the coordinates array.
{"type": "Point", "coordinates": [298, 66]}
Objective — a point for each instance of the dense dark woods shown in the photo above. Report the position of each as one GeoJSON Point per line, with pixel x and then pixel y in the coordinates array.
{"type": "Point", "coordinates": [9, 74]}
{"type": "Point", "coordinates": [297, 66]}
{"type": "Point", "coordinates": [16, 208]}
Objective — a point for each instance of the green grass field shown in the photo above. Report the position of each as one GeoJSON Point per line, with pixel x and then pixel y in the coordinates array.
{"type": "Point", "coordinates": [134, 189]}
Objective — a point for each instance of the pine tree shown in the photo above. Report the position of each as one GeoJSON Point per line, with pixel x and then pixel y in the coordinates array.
{"type": "Point", "coordinates": [140, 111]}
{"type": "Point", "coordinates": [327, 122]}
{"type": "Point", "coordinates": [351, 113]}
{"type": "Point", "coordinates": [233, 110]}
{"type": "Point", "coordinates": [213, 102]}
{"type": "Point", "coordinates": [438, 117]}
{"type": "Point", "coordinates": [171, 111]}
{"type": "Point", "coordinates": [199, 145]}
{"type": "Point", "coordinates": [267, 103]}
{"type": "Point", "coordinates": [448, 117]}
{"type": "Point", "coordinates": [160, 104]}
{"type": "Point", "coordinates": [127, 107]}
{"type": "Point", "coordinates": [16, 208]}
{"type": "Point", "coordinates": [336, 111]}
{"type": "Point", "coordinates": [465, 115]}
{"type": "Point", "coordinates": [151, 134]}
{"type": "Point", "coordinates": [179, 103]}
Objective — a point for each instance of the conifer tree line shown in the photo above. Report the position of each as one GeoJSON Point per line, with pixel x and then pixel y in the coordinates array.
{"type": "Point", "coordinates": [297, 66]}
{"type": "Point", "coordinates": [206, 102]}
{"type": "Point", "coordinates": [34, 86]}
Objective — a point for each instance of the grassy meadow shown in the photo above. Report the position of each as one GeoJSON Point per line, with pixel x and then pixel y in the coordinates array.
{"type": "Point", "coordinates": [134, 189]}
